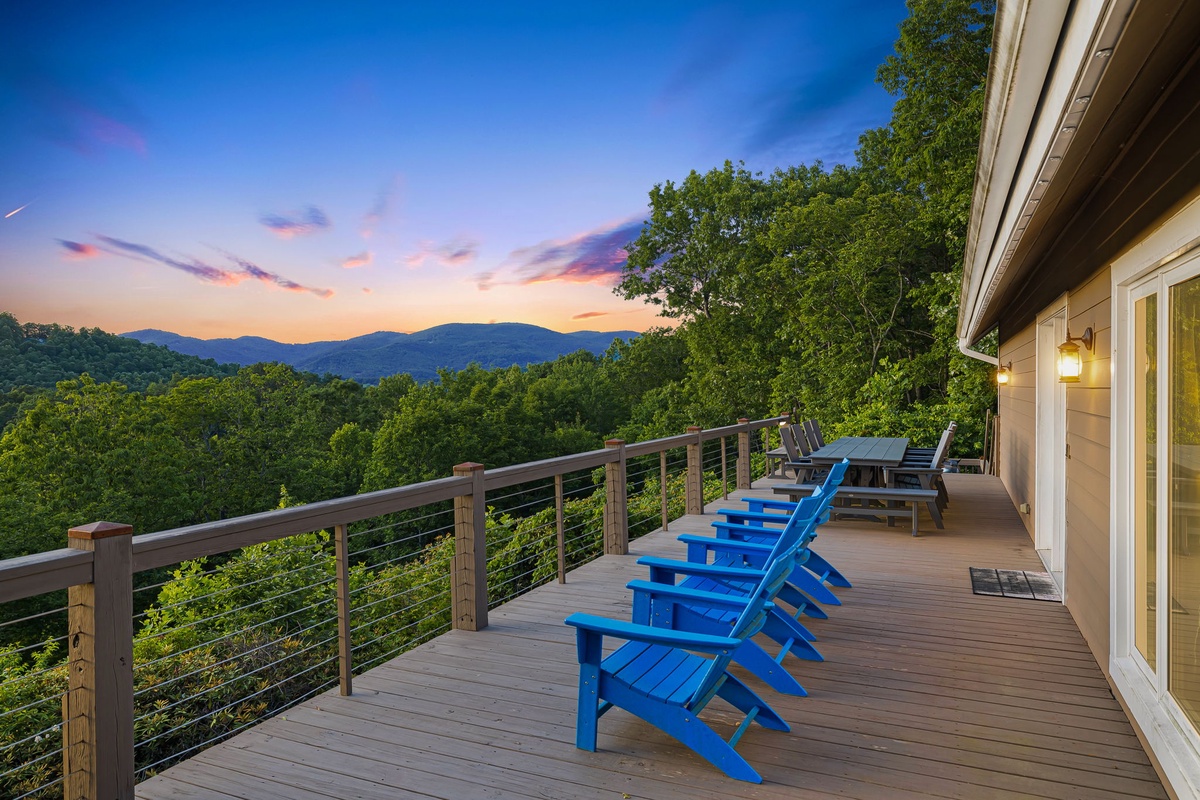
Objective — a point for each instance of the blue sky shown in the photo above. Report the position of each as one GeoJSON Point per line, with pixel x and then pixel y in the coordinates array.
{"type": "Point", "coordinates": [319, 171]}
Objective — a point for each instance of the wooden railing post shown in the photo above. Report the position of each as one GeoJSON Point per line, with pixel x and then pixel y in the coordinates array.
{"type": "Point", "coordinates": [341, 552]}
{"type": "Point", "coordinates": [98, 720]}
{"type": "Point", "coordinates": [695, 474]}
{"type": "Point", "coordinates": [468, 580]}
{"type": "Point", "coordinates": [616, 502]}
{"type": "Point", "coordinates": [742, 468]}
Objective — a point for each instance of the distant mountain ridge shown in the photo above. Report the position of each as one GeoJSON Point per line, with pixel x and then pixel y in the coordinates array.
{"type": "Point", "coordinates": [368, 358]}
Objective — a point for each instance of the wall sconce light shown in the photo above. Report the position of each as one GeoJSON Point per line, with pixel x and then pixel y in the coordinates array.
{"type": "Point", "coordinates": [1004, 374]}
{"type": "Point", "coordinates": [1070, 362]}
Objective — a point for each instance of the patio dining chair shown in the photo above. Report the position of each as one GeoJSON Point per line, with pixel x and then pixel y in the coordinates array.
{"type": "Point", "coordinates": [925, 474]}
{"type": "Point", "coordinates": [668, 677]}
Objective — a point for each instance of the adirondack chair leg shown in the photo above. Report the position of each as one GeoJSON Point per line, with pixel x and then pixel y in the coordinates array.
{"type": "Point", "coordinates": [826, 571]}
{"type": "Point", "coordinates": [808, 583]}
{"type": "Point", "coordinates": [693, 732]}
{"type": "Point", "coordinates": [589, 709]}
{"type": "Point", "coordinates": [802, 602]}
{"type": "Point", "coordinates": [743, 698]}
{"type": "Point", "coordinates": [785, 630]}
{"type": "Point", "coordinates": [751, 656]}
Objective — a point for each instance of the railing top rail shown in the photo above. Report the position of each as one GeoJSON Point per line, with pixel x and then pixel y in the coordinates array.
{"type": "Point", "coordinates": [652, 446]}
{"type": "Point", "coordinates": [38, 573]}
{"type": "Point", "coordinates": [547, 468]}
{"type": "Point", "coordinates": [769, 421]}
{"type": "Point", "coordinates": [181, 544]}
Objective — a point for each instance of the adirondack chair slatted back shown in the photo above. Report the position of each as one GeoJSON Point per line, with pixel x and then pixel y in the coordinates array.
{"type": "Point", "coordinates": [802, 443]}
{"type": "Point", "coordinates": [788, 436]}
{"type": "Point", "coordinates": [796, 535]}
{"type": "Point", "coordinates": [837, 473]}
{"type": "Point", "coordinates": [815, 438]}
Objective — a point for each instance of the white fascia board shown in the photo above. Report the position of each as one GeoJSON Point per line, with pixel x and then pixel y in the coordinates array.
{"type": "Point", "coordinates": [1026, 107]}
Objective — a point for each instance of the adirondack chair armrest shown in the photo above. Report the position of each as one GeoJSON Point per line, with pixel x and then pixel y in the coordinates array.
{"type": "Point", "coordinates": [700, 547]}
{"type": "Point", "coordinates": [589, 629]}
{"type": "Point", "coordinates": [743, 517]}
{"type": "Point", "coordinates": [686, 596]}
{"type": "Point", "coordinates": [759, 504]}
{"type": "Point", "coordinates": [724, 529]}
{"type": "Point", "coordinates": [665, 569]}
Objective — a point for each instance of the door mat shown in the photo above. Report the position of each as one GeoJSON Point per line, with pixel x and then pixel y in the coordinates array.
{"type": "Point", "coordinates": [1014, 583]}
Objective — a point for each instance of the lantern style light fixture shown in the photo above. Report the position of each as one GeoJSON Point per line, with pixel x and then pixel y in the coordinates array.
{"type": "Point", "coordinates": [1004, 374]}
{"type": "Point", "coordinates": [1070, 361]}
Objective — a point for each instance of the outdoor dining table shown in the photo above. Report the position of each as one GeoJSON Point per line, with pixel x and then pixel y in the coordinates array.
{"type": "Point", "coordinates": [871, 453]}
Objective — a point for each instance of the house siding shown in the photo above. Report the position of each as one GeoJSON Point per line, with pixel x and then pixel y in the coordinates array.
{"type": "Point", "coordinates": [1088, 468]}
{"type": "Point", "coordinates": [1018, 423]}
{"type": "Point", "coordinates": [1088, 478]}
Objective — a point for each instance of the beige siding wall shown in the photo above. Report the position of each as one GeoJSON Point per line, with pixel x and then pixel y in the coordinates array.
{"type": "Point", "coordinates": [1088, 478]}
{"type": "Point", "coordinates": [1018, 425]}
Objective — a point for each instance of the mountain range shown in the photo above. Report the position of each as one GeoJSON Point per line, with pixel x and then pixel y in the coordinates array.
{"type": "Point", "coordinates": [368, 358]}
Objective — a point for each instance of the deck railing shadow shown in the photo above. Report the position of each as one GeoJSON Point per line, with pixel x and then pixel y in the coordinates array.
{"type": "Point", "coordinates": [172, 641]}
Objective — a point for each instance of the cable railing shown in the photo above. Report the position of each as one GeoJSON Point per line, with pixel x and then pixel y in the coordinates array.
{"type": "Point", "coordinates": [183, 638]}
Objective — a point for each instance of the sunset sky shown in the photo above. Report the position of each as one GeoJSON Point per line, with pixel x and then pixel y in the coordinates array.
{"type": "Point", "coordinates": [309, 171]}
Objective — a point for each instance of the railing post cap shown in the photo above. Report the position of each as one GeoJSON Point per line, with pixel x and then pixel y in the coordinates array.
{"type": "Point", "coordinates": [100, 530]}
{"type": "Point", "coordinates": [467, 467]}
{"type": "Point", "coordinates": [613, 442]}
{"type": "Point", "coordinates": [694, 429]}
{"type": "Point", "coordinates": [743, 420]}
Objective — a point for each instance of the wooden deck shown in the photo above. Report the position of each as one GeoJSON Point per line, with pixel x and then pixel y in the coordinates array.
{"type": "Point", "coordinates": [927, 690]}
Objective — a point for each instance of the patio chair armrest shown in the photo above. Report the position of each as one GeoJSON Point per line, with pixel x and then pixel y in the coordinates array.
{"type": "Point", "coordinates": [746, 517]}
{"type": "Point", "coordinates": [667, 568]}
{"type": "Point", "coordinates": [699, 547]}
{"type": "Point", "coordinates": [589, 628]}
{"type": "Point", "coordinates": [688, 596]}
{"type": "Point", "coordinates": [761, 504]}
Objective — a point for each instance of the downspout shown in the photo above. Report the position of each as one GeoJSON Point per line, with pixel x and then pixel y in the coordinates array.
{"type": "Point", "coordinates": [967, 351]}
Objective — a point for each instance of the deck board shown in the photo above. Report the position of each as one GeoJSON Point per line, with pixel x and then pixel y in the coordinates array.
{"type": "Point", "coordinates": [927, 690]}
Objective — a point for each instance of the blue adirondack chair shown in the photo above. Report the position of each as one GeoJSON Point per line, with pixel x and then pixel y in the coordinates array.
{"type": "Point", "coordinates": [664, 676]}
{"type": "Point", "coordinates": [803, 585]}
{"type": "Point", "coordinates": [751, 526]}
{"type": "Point", "coordinates": [724, 575]}
{"type": "Point", "coordinates": [661, 602]}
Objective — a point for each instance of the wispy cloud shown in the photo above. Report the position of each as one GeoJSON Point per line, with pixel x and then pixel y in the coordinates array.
{"type": "Point", "coordinates": [595, 256]}
{"type": "Point", "coordinates": [16, 211]}
{"type": "Point", "coordinates": [383, 204]}
{"type": "Point", "coordinates": [485, 280]}
{"type": "Point", "coordinates": [361, 260]}
{"type": "Point", "coordinates": [300, 223]}
{"type": "Point", "coordinates": [194, 267]}
{"type": "Point", "coordinates": [256, 272]}
{"type": "Point", "coordinates": [78, 251]}
{"type": "Point", "coordinates": [367, 290]}
{"type": "Point", "coordinates": [457, 252]}
{"type": "Point", "coordinates": [202, 270]}
{"type": "Point", "coordinates": [591, 314]}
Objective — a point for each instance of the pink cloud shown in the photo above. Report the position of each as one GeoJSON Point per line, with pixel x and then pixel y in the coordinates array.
{"type": "Point", "coordinates": [361, 260]}
{"type": "Point", "coordinates": [595, 256]}
{"type": "Point", "coordinates": [367, 291]}
{"type": "Point", "coordinates": [77, 251]}
{"type": "Point", "coordinates": [591, 314]}
{"type": "Point", "coordinates": [200, 270]}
